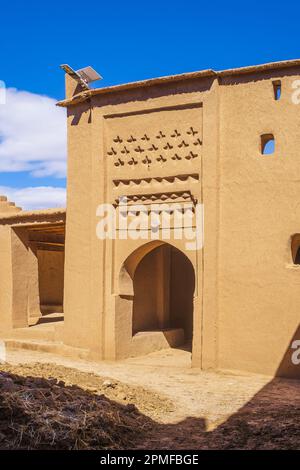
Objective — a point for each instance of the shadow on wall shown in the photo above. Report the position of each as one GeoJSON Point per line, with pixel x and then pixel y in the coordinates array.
{"type": "Point", "coordinates": [290, 363]}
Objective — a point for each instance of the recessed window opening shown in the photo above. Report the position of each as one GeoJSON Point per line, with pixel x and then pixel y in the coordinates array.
{"type": "Point", "coordinates": [277, 90]}
{"type": "Point", "coordinates": [267, 144]}
{"type": "Point", "coordinates": [295, 248]}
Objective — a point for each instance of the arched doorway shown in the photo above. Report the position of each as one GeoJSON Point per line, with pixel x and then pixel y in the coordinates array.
{"type": "Point", "coordinates": [161, 281]}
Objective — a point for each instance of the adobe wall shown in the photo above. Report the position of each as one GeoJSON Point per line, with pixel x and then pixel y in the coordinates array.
{"type": "Point", "coordinates": [246, 300]}
{"type": "Point", "coordinates": [96, 175]}
{"type": "Point", "coordinates": [8, 268]}
{"type": "Point", "coordinates": [259, 285]}
{"type": "Point", "coordinates": [51, 279]}
{"type": "Point", "coordinates": [19, 280]}
{"type": "Point", "coordinates": [6, 278]}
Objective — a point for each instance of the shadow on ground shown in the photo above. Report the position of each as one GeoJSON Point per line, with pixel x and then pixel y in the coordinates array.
{"type": "Point", "coordinates": [39, 413]}
{"type": "Point", "coordinates": [270, 420]}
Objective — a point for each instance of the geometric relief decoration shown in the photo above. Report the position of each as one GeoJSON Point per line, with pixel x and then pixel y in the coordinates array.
{"type": "Point", "coordinates": [178, 144]}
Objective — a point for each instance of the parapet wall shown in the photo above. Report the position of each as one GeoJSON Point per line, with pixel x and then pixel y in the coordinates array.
{"type": "Point", "coordinates": [8, 207]}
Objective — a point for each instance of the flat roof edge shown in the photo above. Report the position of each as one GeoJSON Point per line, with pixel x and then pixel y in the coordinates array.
{"type": "Point", "coordinates": [40, 213]}
{"type": "Point", "coordinates": [131, 85]}
{"type": "Point", "coordinates": [260, 68]}
{"type": "Point", "coordinates": [84, 95]}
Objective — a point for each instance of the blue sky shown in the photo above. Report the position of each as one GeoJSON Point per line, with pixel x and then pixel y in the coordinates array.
{"type": "Point", "coordinates": [124, 41]}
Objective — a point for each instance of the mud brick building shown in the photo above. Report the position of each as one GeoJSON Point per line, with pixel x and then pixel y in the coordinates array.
{"type": "Point", "coordinates": [229, 140]}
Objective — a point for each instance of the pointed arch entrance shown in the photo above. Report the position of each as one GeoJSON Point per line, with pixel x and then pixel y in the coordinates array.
{"type": "Point", "coordinates": [155, 305]}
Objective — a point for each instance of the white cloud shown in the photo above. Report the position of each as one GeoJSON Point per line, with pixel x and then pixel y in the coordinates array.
{"type": "Point", "coordinates": [32, 135]}
{"type": "Point", "coordinates": [41, 197]}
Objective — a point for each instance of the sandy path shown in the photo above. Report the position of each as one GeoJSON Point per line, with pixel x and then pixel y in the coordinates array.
{"type": "Point", "coordinates": [195, 393]}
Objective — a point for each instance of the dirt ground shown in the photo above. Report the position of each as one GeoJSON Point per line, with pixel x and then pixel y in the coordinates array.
{"type": "Point", "coordinates": [172, 406]}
